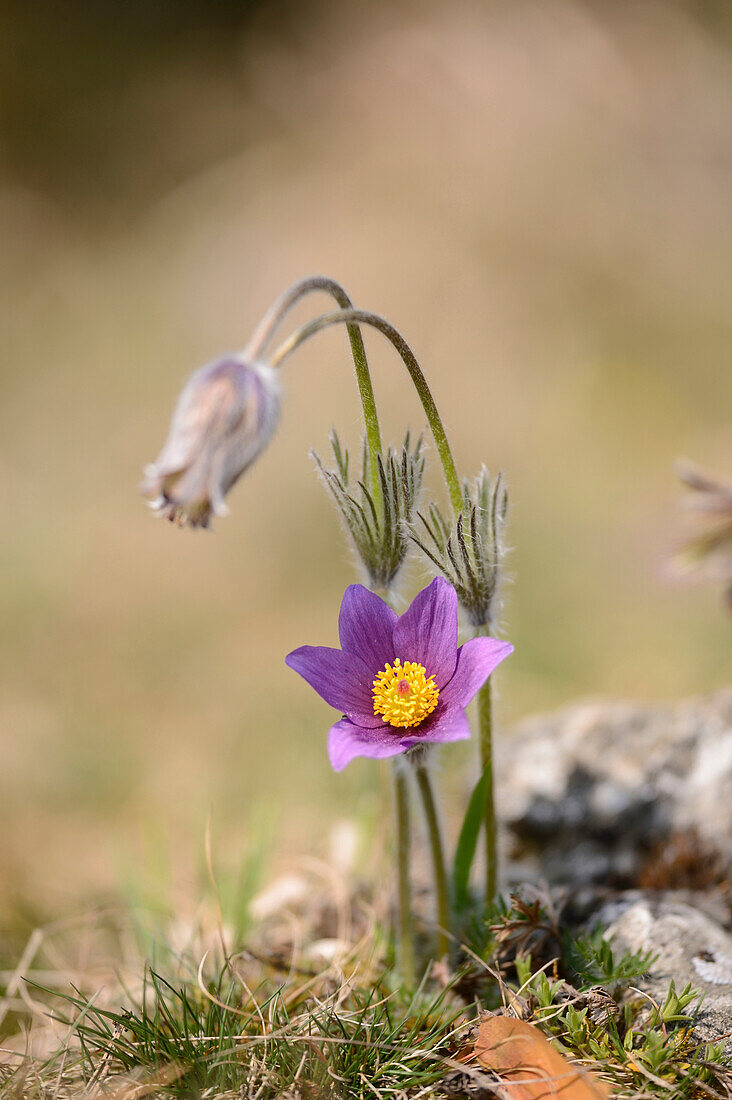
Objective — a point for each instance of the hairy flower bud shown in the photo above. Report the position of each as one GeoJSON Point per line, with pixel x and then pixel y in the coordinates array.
{"type": "Point", "coordinates": [225, 417]}
{"type": "Point", "coordinates": [378, 528]}
{"type": "Point", "coordinates": [469, 551]}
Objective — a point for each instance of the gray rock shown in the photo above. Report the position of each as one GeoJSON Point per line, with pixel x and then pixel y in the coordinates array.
{"type": "Point", "coordinates": [588, 790]}
{"type": "Point", "coordinates": [690, 948]}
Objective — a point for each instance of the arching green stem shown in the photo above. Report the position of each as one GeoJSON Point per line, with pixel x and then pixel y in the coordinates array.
{"type": "Point", "coordinates": [271, 320]}
{"type": "Point", "coordinates": [424, 782]}
{"type": "Point", "coordinates": [360, 316]}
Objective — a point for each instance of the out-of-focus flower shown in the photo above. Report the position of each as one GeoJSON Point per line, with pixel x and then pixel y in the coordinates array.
{"type": "Point", "coordinates": [708, 555]}
{"type": "Point", "coordinates": [400, 681]}
{"type": "Point", "coordinates": [225, 417]}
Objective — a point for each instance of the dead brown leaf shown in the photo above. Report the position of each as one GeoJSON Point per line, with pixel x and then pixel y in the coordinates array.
{"type": "Point", "coordinates": [521, 1055]}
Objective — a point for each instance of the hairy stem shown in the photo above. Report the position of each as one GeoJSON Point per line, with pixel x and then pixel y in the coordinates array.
{"type": "Point", "coordinates": [405, 926]}
{"type": "Point", "coordinates": [350, 316]}
{"type": "Point", "coordinates": [485, 743]}
{"type": "Point", "coordinates": [271, 320]}
{"type": "Point", "coordinates": [424, 782]}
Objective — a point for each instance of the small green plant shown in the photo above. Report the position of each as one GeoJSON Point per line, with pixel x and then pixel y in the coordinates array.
{"type": "Point", "coordinates": [592, 961]}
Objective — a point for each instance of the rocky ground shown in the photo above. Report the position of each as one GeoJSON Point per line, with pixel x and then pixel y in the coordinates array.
{"type": "Point", "coordinates": [626, 811]}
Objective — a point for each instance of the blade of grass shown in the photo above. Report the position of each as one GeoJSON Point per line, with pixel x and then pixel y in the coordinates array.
{"type": "Point", "coordinates": [468, 843]}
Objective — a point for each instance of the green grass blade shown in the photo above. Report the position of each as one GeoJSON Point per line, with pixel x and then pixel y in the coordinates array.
{"type": "Point", "coordinates": [468, 842]}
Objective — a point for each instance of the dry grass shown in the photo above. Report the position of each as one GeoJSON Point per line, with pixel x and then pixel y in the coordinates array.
{"type": "Point", "coordinates": [306, 1005]}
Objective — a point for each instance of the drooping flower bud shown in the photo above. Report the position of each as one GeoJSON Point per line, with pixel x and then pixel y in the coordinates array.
{"type": "Point", "coordinates": [225, 417]}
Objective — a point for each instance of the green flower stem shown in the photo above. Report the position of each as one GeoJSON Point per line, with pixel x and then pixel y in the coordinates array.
{"type": "Point", "coordinates": [405, 925]}
{"type": "Point", "coordinates": [485, 743]}
{"type": "Point", "coordinates": [269, 323]}
{"type": "Point", "coordinates": [349, 316]}
{"type": "Point", "coordinates": [424, 782]}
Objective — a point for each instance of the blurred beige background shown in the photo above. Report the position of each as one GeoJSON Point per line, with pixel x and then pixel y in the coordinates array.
{"type": "Point", "coordinates": [536, 194]}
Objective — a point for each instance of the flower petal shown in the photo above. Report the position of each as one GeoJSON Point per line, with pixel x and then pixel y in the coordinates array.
{"type": "Point", "coordinates": [366, 625]}
{"type": "Point", "coordinates": [346, 741]}
{"type": "Point", "coordinates": [342, 679]}
{"type": "Point", "coordinates": [427, 631]}
{"type": "Point", "coordinates": [475, 662]}
{"type": "Point", "coordinates": [447, 724]}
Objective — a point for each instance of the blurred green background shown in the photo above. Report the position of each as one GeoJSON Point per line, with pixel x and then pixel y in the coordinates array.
{"type": "Point", "coordinates": [536, 194]}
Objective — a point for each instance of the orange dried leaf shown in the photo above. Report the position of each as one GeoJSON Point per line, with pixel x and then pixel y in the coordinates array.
{"type": "Point", "coordinates": [520, 1054]}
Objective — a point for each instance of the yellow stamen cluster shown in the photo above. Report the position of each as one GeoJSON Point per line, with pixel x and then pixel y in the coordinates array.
{"type": "Point", "coordinates": [403, 694]}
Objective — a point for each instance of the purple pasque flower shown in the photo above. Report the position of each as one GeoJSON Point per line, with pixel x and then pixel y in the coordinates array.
{"type": "Point", "coordinates": [400, 681]}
